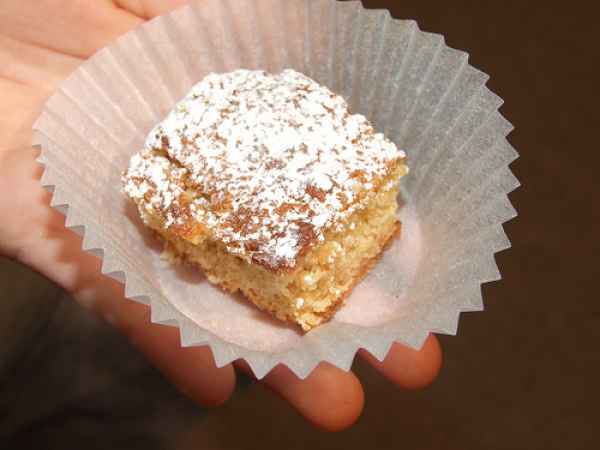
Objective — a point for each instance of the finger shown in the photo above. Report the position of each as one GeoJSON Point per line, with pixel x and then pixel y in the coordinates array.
{"type": "Point", "coordinates": [191, 369]}
{"type": "Point", "coordinates": [78, 28]}
{"type": "Point", "coordinates": [19, 107]}
{"type": "Point", "coordinates": [329, 398]}
{"type": "Point", "coordinates": [408, 368]}
{"type": "Point", "coordinates": [34, 67]}
{"type": "Point", "coordinates": [147, 9]}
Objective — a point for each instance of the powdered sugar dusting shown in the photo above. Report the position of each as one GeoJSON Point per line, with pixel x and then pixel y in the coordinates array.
{"type": "Point", "coordinates": [271, 161]}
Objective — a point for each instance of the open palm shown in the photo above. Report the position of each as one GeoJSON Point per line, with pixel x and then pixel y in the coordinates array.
{"type": "Point", "coordinates": [41, 42]}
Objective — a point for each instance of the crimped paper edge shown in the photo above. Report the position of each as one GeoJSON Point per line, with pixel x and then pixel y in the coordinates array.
{"type": "Point", "coordinates": [301, 360]}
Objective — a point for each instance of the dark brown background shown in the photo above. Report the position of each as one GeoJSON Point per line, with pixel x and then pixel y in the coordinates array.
{"type": "Point", "coordinates": [524, 374]}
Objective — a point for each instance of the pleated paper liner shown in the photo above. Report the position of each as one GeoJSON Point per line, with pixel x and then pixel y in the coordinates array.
{"type": "Point", "coordinates": [421, 93]}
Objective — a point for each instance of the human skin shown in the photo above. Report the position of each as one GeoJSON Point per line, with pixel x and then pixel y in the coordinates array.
{"type": "Point", "coordinates": [41, 43]}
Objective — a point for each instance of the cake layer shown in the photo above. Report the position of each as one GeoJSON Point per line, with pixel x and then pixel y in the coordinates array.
{"type": "Point", "coordinates": [311, 293]}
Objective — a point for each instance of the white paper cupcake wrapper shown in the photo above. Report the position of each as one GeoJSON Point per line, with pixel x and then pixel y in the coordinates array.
{"type": "Point", "coordinates": [421, 93]}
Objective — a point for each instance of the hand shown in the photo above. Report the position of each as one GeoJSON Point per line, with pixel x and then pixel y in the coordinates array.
{"type": "Point", "coordinates": [41, 42]}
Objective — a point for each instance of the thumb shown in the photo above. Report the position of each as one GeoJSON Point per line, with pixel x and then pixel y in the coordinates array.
{"type": "Point", "coordinates": [148, 9]}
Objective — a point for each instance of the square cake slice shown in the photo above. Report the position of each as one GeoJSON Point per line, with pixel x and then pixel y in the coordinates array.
{"type": "Point", "coordinates": [273, 187]}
